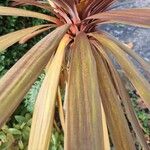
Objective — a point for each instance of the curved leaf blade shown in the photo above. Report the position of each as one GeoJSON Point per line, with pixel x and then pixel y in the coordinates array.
{"type": "Point", "coordinates": [33, 34]}
{"type": "Point", "coordinates": [119, 132]}
{"type": "Point", "coordinates": [139, 82]}
{"type": "Point", "coordinates": [18, 80]}
{"type": "Point", "coordinates": [121, 91]}
{"type": "Point", "coordinates": [145, 64]}
{"type": "Point", "coordinates": [32, 3]}
{"type": "Point", "coordinates": [10, 11]}
{"type": "Point", "coordinates": [129, 108]}
{"type": "Point", "coordinates": [84, 127]}
{"type": "Point", "coordinates": [11, 38]}
{"type": "Point", "coordinates": [43, 116]}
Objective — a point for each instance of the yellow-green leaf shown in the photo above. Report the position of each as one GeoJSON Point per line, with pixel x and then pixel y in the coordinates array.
{"type": "Point", "coordinates": [18, 80]}
{"type": "Point", "coordinates": [43, 116]}
{"type": "Point", "coordinates": [10, 11]}
{"type": "Point", "coordinates": [60, 109]}
{"type": "Point", "coordinates": [105, 130]}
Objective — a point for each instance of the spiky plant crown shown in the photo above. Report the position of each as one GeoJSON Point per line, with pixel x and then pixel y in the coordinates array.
{"type": "Point", "coordinates": [75, 57]}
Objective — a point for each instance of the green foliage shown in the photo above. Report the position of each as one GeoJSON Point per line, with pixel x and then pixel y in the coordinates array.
{"type": "Point", "coordinates": [15, 135]}
{"type": "Point", "coordinates": [57, 141]}
{"type": "Point", "coordinates": [142, 112]}
{"type": "Point", "coordinates": [32, 94]}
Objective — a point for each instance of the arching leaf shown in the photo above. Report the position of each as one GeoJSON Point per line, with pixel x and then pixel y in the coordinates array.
{"type": "Point", "coordinates": [45, 104]}
{"type": "Point", "coordinates": [18, 80]}
{"type": "Point", "coordinates": [84, 127]}
{"type": "Point", "coordinates": [116, 120]}
{"type": "Point", "coordinates": [11, 38]}
{"type": "Point", "coordinates": [130, 52]}
{"type": "Point", "coordinates": [139, 82]}
{"type": "Point", "coordinates": [10, 11]}
{"type": "Point", "coordinates": [124, 97]}
{"type": "Point", "coordinates": [135, 16]}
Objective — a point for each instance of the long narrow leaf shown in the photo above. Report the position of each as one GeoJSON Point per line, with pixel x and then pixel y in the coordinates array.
{"type": "Point", "coordinates": [134, 16]}
{"type": "Point", "coordinates": [116, 120]}
{"type": "Point", "coordinates": [33, 34]}
{"type": "Point", "coordinates": [10, 11]}
{"type": "Point", "coordinates": [45, 104]}
{"type": "Point", "coordinates": [68, 7]}
{"type": "Point", "coordinates": [11, 38]}
{"type": "Point", "coordinates": [84, 128]}
{"type": "Point", "coordinates": [120, 89]}
{"type": "Point", "coordinates": [144, 63]}
{"type": "Point", "coordinates": [32, 3]}
{"type": "Point", "coordinates": [105, 130]}
{"type": "Point", "coordinates": [139, 82]}
{"type": "Point", "coordinates": [18, 80]}
{"type": "Point", "coordinates": [128, 107]}
{"type": "Point", "coordinates": [61, 111]}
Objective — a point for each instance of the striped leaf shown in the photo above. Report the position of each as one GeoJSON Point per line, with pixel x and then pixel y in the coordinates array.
{"type": "Point", "coordinates": [18, 80]}
{"type": "Point", "coordinates": [121, 91]}
{"type": "Point", "coordinates": [132, 53]}
{"type": "Point", "coordinates": [84, 124]}
{"type": "Point", "coordinates": [139, 82]}
{"type": "Point", "coordinates": [45, 104]}
{"type": "Point", "coordinates": [134, 16]}
{"type": "Point", "coordinates": [116, 120]}
{"type": "Point", "coordinates": [33, 34]}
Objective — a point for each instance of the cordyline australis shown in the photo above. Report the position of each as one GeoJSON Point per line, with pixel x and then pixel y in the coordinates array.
{"type": "Point", "coordinates": [75, 57]}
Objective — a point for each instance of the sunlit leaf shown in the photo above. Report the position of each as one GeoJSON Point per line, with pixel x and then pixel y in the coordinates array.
{"type": "Point", "coordinates": [32, 3]}
{"type": "Point", "coordinates": [134, 16]}
{"type": "Point", "coordinates": [11, 38]}
{"type": "Point", "coordinates": [105, 130]}
{"type": "Point", "coordinates": [84, 127]}
{"type": "Point", "coordinates": [45, 104]}
{"type": "Point", "coordinates": [81, 83]}
{"type": "Point", "coordinates": [14, 131]}
{"type": "Point", "coordinates": [18, 80]}
{"type": "Point", "coordinates": [132, 53]}
{"type": "Point", "coordinates": [61, 111]}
